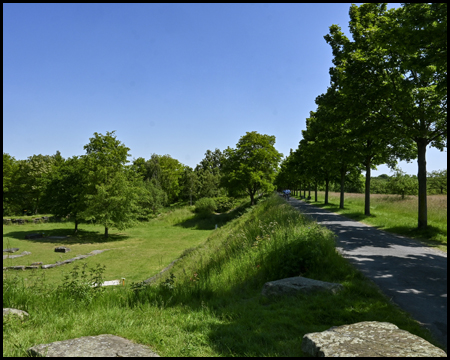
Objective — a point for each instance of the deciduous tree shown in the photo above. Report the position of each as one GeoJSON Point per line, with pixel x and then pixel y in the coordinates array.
{"type": "Point", "coordinates": [113, 192]}
{"type": "Point", "coordinates": [252, 166]}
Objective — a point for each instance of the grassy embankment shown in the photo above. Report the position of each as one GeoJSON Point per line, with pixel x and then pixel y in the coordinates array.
{"type": "Point", "coordinates": [393, 214]}
{"type": "Point", "coordinates": [211, 305]}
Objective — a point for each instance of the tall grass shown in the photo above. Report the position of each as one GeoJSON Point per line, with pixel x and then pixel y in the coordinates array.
{"type": "Point", "coordinates": [210, 303]}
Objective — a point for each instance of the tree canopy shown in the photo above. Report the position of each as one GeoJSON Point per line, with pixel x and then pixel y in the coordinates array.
{"type": "Point", "coordinates": [252, 166]}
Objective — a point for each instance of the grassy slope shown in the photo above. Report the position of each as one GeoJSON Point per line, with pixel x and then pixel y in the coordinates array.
{"type": "Point", "coordinates": [214, 306]}
{"type": "Point", "coordinates": [392, 214]}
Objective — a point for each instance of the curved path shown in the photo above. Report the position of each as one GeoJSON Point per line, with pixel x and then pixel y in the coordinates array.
{"type": "Point", "coordinates": [412, 275]}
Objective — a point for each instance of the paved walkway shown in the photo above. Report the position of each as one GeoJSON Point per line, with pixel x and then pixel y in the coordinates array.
{"type": "Point", "coordinates": [414, 276]}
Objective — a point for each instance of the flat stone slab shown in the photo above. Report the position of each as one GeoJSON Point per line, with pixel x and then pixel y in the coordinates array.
{"type": "Point", "coordinates": [368, 339]}
{"type": "Point", "coordinates": [95, 252]}
{"type": "Point", "coordinates": [111, 282]}
{"type": "Point", "coordinates": [30, 267]}
{"type": "Point", "coordinates": [298, 284]}
{"type": "Point", "coordinates": [19, 313]}
{"type": "Point", "coordinates": [16, 256]}
{"type": "Point", "coordinates": [11, 250]}
{"type": "Point", "coordinates": [48, 266]}
{"type": "Point", "coordinates": [18, 267]}
{"type": "Point", "coordinates": [93, 346]}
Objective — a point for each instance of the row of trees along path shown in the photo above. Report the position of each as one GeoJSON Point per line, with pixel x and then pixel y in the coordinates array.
{"type": "Point", "coordinates": [387, 99]}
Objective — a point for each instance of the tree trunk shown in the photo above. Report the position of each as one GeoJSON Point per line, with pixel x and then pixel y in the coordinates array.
{"type": "Point", "coordinates": [341, 200]}
{"type": "Point", "coordinates": [309, 190]}
{"type": "Point", "coordinates": [252, 200]}
{"type": "Point", "coordinates": [106, 232]}
{"type": "Point", "coordinates": [315, 191]}
{"type": "Point", "coordinates": [326, 191]}
{"type": "Point", "coordinates": [367, 190]}
{"type": "Point", "coordinates": [76, 226]}
{"type": "Point", "coordinates": [422, 177]}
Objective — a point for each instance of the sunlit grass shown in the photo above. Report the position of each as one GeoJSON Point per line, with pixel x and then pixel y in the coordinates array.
{"type": "Point", "coordinates": [214, 306]}
{"type": "Point", "coordinates": [135, 254]}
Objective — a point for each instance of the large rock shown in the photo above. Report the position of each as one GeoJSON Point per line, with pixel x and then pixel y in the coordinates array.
{"type": "Point", "coordinates": [92, 346]}
{"type": "Point", "coordinates": [62, 249]}
{"type": "Point", "coordinates": [368, 339]}
{"type": "Point", "coordinates": [19, 313]}
{"type": "Point", "coordinates": [298, 284]}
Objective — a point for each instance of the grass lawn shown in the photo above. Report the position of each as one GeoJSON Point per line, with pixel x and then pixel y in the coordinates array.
{"type": "Point", "coordinates": [136, 254]}
{"type": "Point", "coordinates": [210, 303]}
{"type": "Point", "coordinates": [393, 214]}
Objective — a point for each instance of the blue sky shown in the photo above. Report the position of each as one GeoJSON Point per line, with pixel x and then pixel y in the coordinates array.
{"type": "Point", "coordinates": [174, 79]}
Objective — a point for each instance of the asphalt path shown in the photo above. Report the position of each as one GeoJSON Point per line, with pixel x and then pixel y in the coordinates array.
{"type": "Point", "coordinates": [412, 275]}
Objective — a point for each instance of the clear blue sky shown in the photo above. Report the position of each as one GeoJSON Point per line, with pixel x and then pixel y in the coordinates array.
{"type": "Point", "coordinates": [174, 79]}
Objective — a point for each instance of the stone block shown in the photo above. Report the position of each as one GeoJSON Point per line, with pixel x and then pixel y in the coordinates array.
{"type": "Point", "coordinates": [6, 221]}
{"type": "Point", "coordinates": [93, 346]}
{"type": "Point", "coordinates": [19, 313]}
{"type": "Point", "coordinates": [11, 250]}
{"type": "Point", "coordinates": [368, 339]}
{"type": "Point", "coordinates": [298, 284]}
{"type": "Point", "coordinates": [62, 249]}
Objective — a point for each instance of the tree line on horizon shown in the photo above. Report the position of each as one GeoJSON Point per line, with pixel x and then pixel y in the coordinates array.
{"type": "Point", "coordinates": [387, 100]}
{"type": "Point", "coordinates": [101, 187]}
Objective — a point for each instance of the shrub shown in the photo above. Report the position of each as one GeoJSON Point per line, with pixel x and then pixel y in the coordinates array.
{"type": "Point", "coordinates": [205, 205]}
{"type": "Point", "coordinates": [224, 203]}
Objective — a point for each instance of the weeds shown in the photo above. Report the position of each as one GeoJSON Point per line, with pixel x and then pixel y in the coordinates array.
{"type": "Point", "coordinates": [84, 285]}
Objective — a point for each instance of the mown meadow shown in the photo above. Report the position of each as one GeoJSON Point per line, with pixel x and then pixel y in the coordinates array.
{"type": "Point", "coordinates": [393, 214]}
{"type": "Point", "coordinates": [210, 302]}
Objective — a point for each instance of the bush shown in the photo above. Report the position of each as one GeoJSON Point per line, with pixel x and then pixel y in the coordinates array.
{"type": "Point", "coordinates": [205, 205]}
{"type": "Point", "coordinates": [224, 203]}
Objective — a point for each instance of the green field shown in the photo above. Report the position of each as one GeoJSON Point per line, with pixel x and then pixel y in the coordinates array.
{"type": "Point", "coordinates": [393, 214]}
{"type": "Point", "coordinates": [135, 254]}
{"type": "Point", "coordinates": [210, 303]}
